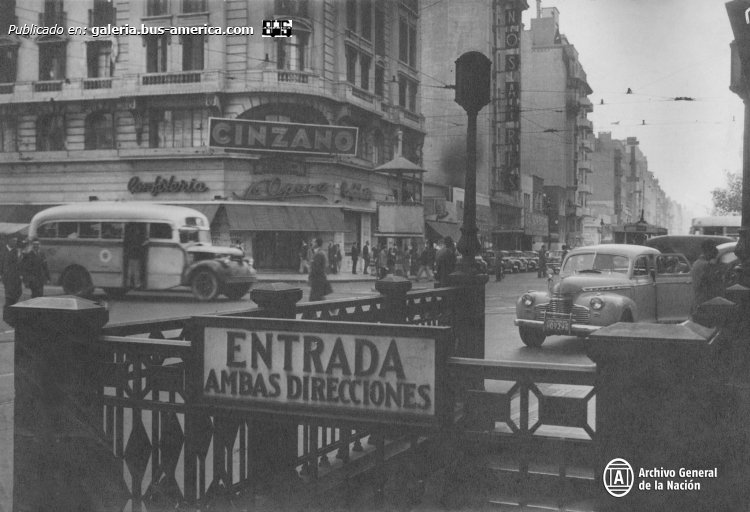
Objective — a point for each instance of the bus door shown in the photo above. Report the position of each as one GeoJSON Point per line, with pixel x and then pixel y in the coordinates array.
{"type": "Point", "coordinates": [165, 258]}
{"type": "Point", "coordinates": [134, 250]}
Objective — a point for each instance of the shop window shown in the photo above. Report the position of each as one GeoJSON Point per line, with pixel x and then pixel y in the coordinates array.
{"type": "Point", "coordinates": [99, 131]}
{"type": "Point", "coordinates": [51, 60]}
{"type": "Point", "coordinates": [157, 7]}
{"type": "Point", "coordinates": [176, 128]}
{"type": "Point", "coordinates": [365, 15]}
{"type": "Point", "coordinates": [379, 80]}
{"type": "Point", "coordinates": [8, 62]}
{"type": "Point", "coordinates": [189, 6]}
{"type": "Point", "coordinates": [156, 53]}
{"type": "Point", "coordinates": [192, 52]}
{"type": "Point", "coordinates": [50, 133]}
{"type": "Point", "coordinates": [99, 62]}
{"type": "Point", "coordinates": [351, 65]}
{"type": "Point", "coordinates": [407, 41]}
{"type": "Point", "coordinates": [351, 15]}
{"type": "Point", "coordinates": [364, 71]}
{"type": "Point", "coordinates": [291, 52]}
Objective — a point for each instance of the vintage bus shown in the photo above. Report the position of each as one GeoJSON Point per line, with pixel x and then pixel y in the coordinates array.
{"type": "Point", "coordinates": [120, 246]}
{"type": "Point", "coordinates": [726, 225]}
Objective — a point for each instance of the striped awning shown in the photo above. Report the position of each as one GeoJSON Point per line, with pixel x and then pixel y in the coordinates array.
{"type": "Point", "coordinates": [246, 217]}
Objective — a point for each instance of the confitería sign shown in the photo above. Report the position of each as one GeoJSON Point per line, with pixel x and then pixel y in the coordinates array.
{"type": "Point", "coordinates": [363, 372]}
{"type": "Point", "coordinates": [242, 134]}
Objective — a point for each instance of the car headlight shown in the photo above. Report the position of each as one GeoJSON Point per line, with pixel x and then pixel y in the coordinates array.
{"type": "Point", "coordinates": [596, 303]}
{"type": "Point", "coordinates": [527, 300]}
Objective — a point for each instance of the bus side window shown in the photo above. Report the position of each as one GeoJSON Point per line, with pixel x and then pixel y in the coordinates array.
{"type": "Point", "coordinates": [112, 230]}
{"type": "Point", "coordinates": [160, 231]}
{"type": "Point", "coordinates": [47, 230]}
{"type": "Point", "coordinates": [89, 229]}
{"type": "Point", "coordinates": [67, 230]}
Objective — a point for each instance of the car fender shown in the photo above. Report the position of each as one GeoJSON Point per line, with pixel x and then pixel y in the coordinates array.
{"type": "Point", "coordinates": [614, 305]}
{"type": "Point", "coordinates": [527, 312]}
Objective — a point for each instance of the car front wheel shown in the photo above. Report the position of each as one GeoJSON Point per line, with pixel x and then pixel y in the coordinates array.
{"type": "Point", "coordinates": [205, 285]}
{"type": "Point", "coordinates": [531, 337]}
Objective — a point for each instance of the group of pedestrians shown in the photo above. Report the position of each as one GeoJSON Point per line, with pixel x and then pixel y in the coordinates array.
{"type": "Point", "coordinates": [19, 266]}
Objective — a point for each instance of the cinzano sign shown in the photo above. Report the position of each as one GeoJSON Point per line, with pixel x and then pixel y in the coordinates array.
{"type": "Point", "coordinates": [365, 372]}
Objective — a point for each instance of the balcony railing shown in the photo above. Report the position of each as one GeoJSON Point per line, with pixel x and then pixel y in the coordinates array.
{"type": "Point", "coordinates": [48, 86]}
{"type": "Point", "coordinates": [183, 77]}
{"type": "Point", "coordinates": [97, 83]}
{"type": "Point", "coordinates": [363, 95]}
{"type": "Point", "coordinates": [292, 76]}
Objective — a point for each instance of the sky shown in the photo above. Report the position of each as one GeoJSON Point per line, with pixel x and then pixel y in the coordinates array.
{"type": "Point", "coordinates": [662, 49]}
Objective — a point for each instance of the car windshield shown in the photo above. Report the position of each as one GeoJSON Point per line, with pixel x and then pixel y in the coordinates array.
{"type": "Point", "coordinates": [194, 235]}
{"type": "Point", "coordinates": [595, 263]}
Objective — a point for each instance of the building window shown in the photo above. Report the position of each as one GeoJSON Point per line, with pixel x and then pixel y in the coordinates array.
{"type": "Point", "coordinates": [291, 53]}
{"type": "Point", "coordinates": [99, 62]}
{"type": "Point", "coordinates": [99, 131]}
{"type": "Point", "coordinates": [53, 13]}
{"type": "Point", "coordinates": [407, 93]}
{"type": "Point", "coordinates": [51, 60]}
{"type": "Point", "coordinates": [157, 7]}
{"type": "Point", "coordinates": [50, 133]}
{"type": "Point", "coordinates": [351, 65]}
{"type": "Point", "coordinates": [178, 128]}
{"type": "Point", "coordinates": [364, 71]}
{"type": "Point", "coordinates": [351, 15]}
{"type": "Point", "coordinates": [189, 6]}
{"type": "Point", "coordinates": [7, 15]}
{"type": "Point", "coordinates": [8, 136]}
{"type": "Point", "coordinates": [407, 42]}
{"type": "Point", "coordinates": [291, 7]}
{"type": "Point", "coordinates": [8, 63]}
{"type": "Point", "coordinates": [156, 53]}
{"type": "Point", "coordinates": [379, 30]}
{"type": "Point", "coordinates": [192, 52]}
{"type": "Point", "coordinates": [365, 15]}
{"type": "Point", "coordinates": [379, 80]}
{"type": "Point", "coordinates": [102, 14]}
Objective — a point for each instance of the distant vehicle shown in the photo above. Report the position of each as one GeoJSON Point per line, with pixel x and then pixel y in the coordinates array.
{"type": "Point", "coordinates": [604, 284]}
{"type": "Point", "coordinates": [523, 261]}
{"type": "Point", "coordinates": [511, 263]}
{"type": "Point", "coordinates": [689, 245]}
{"type": "Point", "coordinates": [728, 259]}
{"type": "Point", "coordinates": [554, 260]}
{"type": "Point", "coordinates": [726, 225]}
{"type": "Point", "coordinates": [533, 259]}
{"type": "Point", "coordinates": [86, 246]}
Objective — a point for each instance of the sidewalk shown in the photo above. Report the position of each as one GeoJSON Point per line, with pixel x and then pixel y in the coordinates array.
{"type": "Point", "coordinates": [289, 276]}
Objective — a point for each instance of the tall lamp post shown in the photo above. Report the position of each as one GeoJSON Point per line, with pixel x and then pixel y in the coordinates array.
{"type": "Point", "coordinates": [472, 93]}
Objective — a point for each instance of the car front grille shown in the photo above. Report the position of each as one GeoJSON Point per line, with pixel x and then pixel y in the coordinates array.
{"type": "Point", "coordinates": [565, 306]}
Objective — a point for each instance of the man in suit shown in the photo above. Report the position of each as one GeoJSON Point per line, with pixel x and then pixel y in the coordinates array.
{"type": "Point", "coordinates": [35, 270]}
{"type": "Point", "coordinates": [10, 271]}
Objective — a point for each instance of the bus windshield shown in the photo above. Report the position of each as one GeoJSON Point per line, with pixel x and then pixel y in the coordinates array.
{"type": "Point", "coordinates": [193, 235]}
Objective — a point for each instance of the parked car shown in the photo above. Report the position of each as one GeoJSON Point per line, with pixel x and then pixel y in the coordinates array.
{"type": "Point", "coordinates": [728, 259]}
{"type": "Point", "coordinates": [689, 245]}
{"type": "Point", "coordinates": [554, 260]}
{"type": "Point", "coordinates": [604, 284]}
{"type": "Point", "coordinates": [533, 259]}
{"type": "Point", "coordinates": [511, 263]}
{"type": "Point", "coordinates": [481, 264]}
{"type": "Point", "coordinates": [523, 262]}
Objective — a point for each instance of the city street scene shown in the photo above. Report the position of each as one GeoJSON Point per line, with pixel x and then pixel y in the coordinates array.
{"type": "Point", "coordinates": [381, 255]}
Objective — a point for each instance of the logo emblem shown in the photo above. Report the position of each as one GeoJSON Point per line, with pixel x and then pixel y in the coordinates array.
{"type": "Point", "coordinates": [618, 477]}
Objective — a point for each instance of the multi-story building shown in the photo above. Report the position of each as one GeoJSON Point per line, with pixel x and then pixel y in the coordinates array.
{"type": "Point", "coordinates": [494, 28]}
{"type": "Point", "coordinates": [93, 113]}
{"type": "Point", "coordinates": [555, 131]}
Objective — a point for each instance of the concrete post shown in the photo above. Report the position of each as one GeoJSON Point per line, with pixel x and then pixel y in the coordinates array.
{"type": "Point", "coordinates": [60, 460]}
{"type": "Point", "coordinates": [468, 325]}
{"type": "Point", "coordinates": [393, 289]}
{"type": "Point", "coordinates": [660, 405]}
{"type": "Point", "coordinates": [276, 449]}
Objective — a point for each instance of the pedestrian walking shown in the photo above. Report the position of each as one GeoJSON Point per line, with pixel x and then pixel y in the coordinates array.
{"type": "Point", "coordinates": [355, 257]}
{"type": "Point", "coordinates": [319, 284]}
{"type": "Point", "coordinates": [541, 271]}
{"type": "Point", "coordinates": [338, 257]}
{"type": "Point", "coordinates": [413, 260]}
{"type": "Point", "coordinates": [707, 281]}
{"type": "Point", "coordinates": [382, 262]}
{"type": "Point", "coordinates": [426, 259]}
{"type": "Point", "coordinates": [331, 258]}
{"type": "Point", "coordinates": [35, 270]}
{"type": "Point", "coordinates": [10, 271]}
{"type": "Point", "coordinates": [391, 260]}
{"type": "Point", "coordinates": [445, 262]}
{"type": "Point", "coordinates": [366, 255]}
{"type": "Point", "coordinates": [304, 262]}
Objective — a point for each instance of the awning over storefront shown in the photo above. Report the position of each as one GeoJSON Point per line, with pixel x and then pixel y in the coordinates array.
{"type": "Point", "coordinates": [13, 228]}
{"type": "Point", "coordinates": [251, 217]}
{"type": "Point", "coordinates": [439, 230]}
{"type": "Point", "coordinates": [20, 213]}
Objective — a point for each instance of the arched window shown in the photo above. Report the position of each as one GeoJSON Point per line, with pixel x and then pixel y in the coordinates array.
{"type": "Point", "coordinates": [99, 132]}
{"type": "Point", "coordinates": [292, 52]}
{"type": "Point", "coordinates": [50, 132]}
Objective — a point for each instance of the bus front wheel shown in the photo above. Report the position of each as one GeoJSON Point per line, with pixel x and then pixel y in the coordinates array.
{"type": "Point", "coordinates": [205, 285]}
{"type": "Point", "coordinates": [76, 281]}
